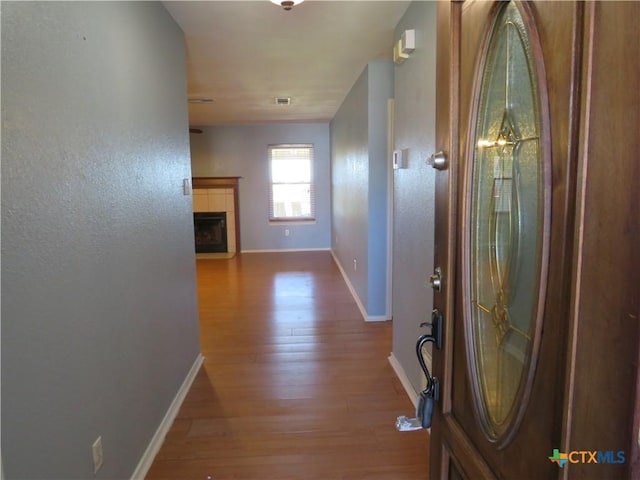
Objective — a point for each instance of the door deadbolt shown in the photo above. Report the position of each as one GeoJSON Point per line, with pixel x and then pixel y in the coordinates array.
{"type": "Point", "coordinates": [435, 280]}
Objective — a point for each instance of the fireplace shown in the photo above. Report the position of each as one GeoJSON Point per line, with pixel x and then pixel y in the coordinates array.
{"type": "Point", "coordinates": [210, 232]}
{"type": "Point", "coordinates": [220, 194]}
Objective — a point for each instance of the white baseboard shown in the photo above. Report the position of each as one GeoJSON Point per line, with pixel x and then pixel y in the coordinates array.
{"type": "Point", "coordinates": [282, 250]}
{"type": "Point", "coordinates": [158, 438]}
{"type": "Point", "coordinates": [402, 376]}
{"type": "Point", "coordinates": [363, 311]}
{"type": "Point", "coordinates": [404, 380]}
{"type": "Point", "coordinates": [354, 294]}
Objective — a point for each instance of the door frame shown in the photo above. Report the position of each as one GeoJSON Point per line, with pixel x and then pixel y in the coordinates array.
{"type": "Point", "coordinates": [446, 193]}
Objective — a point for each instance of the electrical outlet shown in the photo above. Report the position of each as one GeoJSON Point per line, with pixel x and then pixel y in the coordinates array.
{"type": "Point", "coordinates": [98, 457]}
{"type": "Point", "coordinates": [286, 232]}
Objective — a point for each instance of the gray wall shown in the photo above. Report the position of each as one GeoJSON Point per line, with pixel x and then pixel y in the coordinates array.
{"type": "Point", "coordinates": [359, 172]}
{"type": "Point", "coordinates": [413, 245]}
{"type": "Point", "coordinates": [380, 91]}
{"type": "Point", "coordinates": [99, 310]}
{"type": "Point", "coordinates": [242, 151]}
{"type": "Point", "coordinates": [350, 185]}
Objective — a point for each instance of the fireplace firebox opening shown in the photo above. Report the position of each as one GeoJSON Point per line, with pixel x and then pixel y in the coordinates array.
{"type": "Point", "coordinates": [210, 232]}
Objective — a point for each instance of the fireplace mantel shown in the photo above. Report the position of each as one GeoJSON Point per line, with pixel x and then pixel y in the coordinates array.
{"type": "Point", "coordinates": [223, 182]}
{"type": "Point", "coordinates": [215, 182]}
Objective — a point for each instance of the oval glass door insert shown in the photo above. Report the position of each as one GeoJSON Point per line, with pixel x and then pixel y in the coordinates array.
{"type": "Point", "coordinates": [506, 217]}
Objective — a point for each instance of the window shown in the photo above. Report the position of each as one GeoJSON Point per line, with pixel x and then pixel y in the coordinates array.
{"type": "Point", "coordinates": [291, 195]}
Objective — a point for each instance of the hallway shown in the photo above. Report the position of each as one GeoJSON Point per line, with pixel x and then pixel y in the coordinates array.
{"type": "Point", "coordinates": [294, 386]}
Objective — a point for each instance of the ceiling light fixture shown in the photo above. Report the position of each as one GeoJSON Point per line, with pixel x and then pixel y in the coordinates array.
{"type": "Point", "coordinates": [287, 4]}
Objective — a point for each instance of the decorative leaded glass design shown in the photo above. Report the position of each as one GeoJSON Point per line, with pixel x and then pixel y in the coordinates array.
{"type": "Point", "coordinates": [506, 216]}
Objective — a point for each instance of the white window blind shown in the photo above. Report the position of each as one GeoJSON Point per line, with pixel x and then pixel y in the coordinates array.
{"type": "Point", "coordinates": [291, 196]}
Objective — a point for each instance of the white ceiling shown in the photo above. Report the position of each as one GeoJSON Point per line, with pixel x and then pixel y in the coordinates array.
{"type": "Point", "coordinates": [243, 54]}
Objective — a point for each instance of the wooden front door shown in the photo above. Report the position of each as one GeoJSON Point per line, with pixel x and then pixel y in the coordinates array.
{"type": "Point", "coordinates": [516, 98]}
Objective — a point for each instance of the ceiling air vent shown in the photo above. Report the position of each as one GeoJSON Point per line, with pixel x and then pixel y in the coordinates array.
{"type": "Point", "coordinates": [201, 100]}
{"type": "Point", "coordinates": [283, 100]}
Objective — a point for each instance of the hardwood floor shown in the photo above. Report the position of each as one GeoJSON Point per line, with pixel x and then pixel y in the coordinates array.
{"type": "Point", "coordinates": [295, 385]}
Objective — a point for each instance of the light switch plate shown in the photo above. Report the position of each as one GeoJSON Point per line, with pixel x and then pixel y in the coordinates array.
{"type": "Point", "coordinates": [400, 158]}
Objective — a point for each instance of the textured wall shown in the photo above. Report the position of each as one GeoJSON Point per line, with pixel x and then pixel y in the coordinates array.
{"type": "Point", "coordinates": [413, 188]}
{"type": "Point", "coordinates": [350, 184]}
{"type": "Point", "coordinates": [99, 309]}
{"type": "Point", "coordinates": [359, 173]}
{"type": "Point", "coordinates": [380, 91]}
{"type": "Point", "coordinates": [242, 151]}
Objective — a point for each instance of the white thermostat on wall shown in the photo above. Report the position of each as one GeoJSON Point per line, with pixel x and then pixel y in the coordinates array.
{"type": "Point", "coordinates": [400, 158]}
